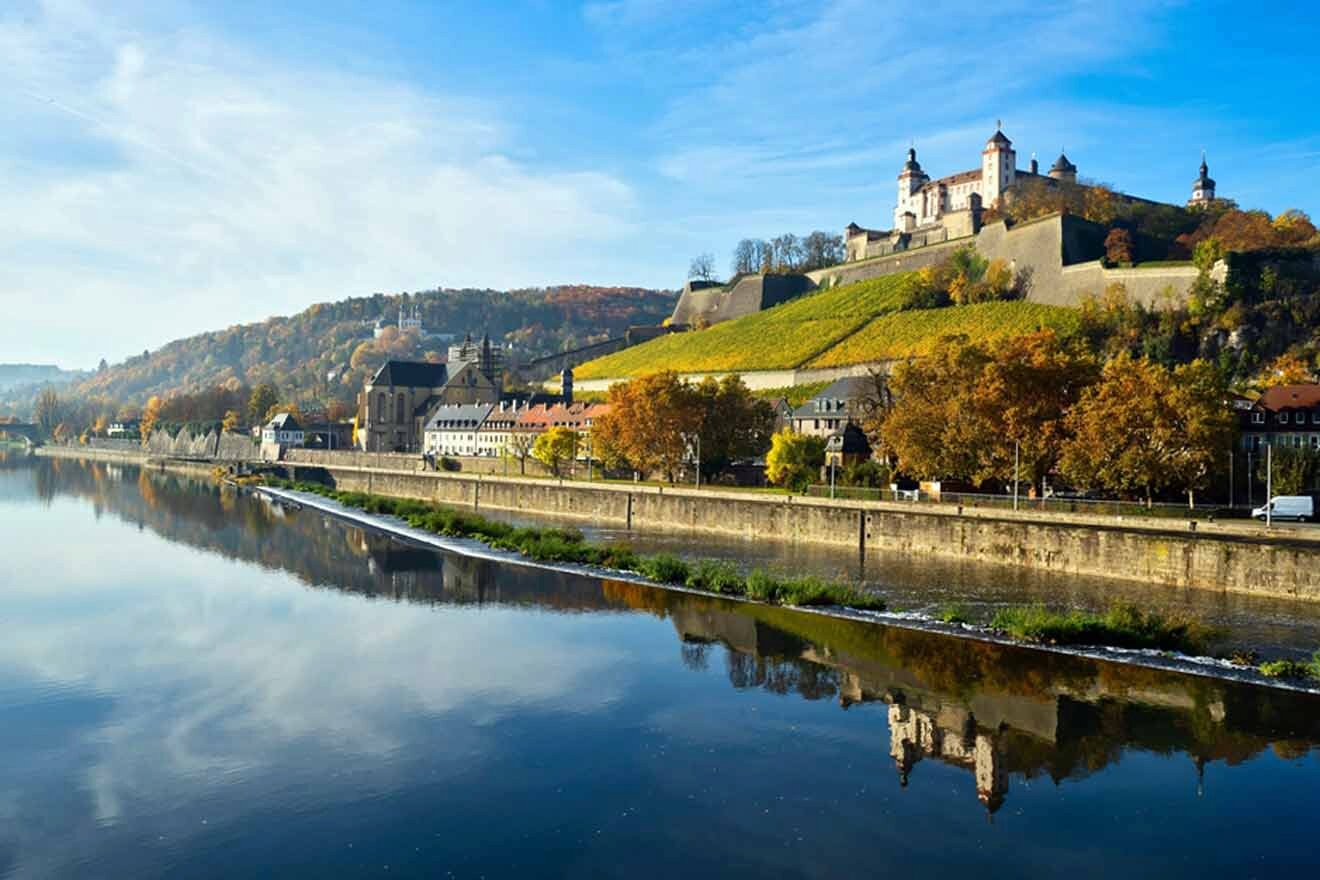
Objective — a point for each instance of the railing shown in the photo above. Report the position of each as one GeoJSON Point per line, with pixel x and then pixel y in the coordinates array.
{"type": "Point", "coordinates": [1052, 504]}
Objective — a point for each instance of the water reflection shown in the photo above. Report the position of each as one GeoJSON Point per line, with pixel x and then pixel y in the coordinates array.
{"type": "Point", "coordinates": [399, 664]}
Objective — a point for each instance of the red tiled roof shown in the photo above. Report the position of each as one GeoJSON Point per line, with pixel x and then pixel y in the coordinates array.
{"type": "Point", "coordinates": [1290, 396]}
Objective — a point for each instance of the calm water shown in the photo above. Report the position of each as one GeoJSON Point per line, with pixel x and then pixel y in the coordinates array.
{"type": "Point", "coordinates": [194, 683]}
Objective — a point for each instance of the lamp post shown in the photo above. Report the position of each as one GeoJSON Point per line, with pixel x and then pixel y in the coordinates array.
{"type": "Point", "coordinates": [693, 442]}
{"type": "Point", "coordinates": [1016, 457]}
{"type": "Point", "coordinates": [1269, 484]}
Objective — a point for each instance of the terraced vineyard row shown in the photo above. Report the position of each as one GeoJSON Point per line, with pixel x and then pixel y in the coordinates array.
{"type": "Point", "coordinates": [852, 324]}
{"type": "Point", "coordinates": [779, 338]}
{"type": "Point", "coordinates": [914, 333]}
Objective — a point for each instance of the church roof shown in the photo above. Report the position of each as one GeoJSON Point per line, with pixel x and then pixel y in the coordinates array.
{"type": "Point", "coordinates": [411, 374]}
{"type": "Point", "coordinates": [1204, 181]}
{"type": "Point", "coordinates": [912, 165]}
{"type": "Point", "coordinates": [998, 139]}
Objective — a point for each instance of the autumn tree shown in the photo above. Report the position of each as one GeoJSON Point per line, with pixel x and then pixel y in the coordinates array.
{"type": "Point", "coordinates": [150, 416]}
{"type": "Point", "coordinates": [519, 447]}
{"type": "Point", "coordinates": [1142, 429]}
{"type": "Point", "coordinates": [1118, 246]}
{"type": "Point", "coordinates": [231, 421]}
{"type": "Point", "coordinates": [971, 410]}
{"type": "Point", "coordinates": [734, 424]}
{"type": "Point", "coordinates": [263, 397]}
{"type": "Point", "coordinates": [794, 460]}
{"type": "Point", "coordinates": [48, 411]}
{"type": "Point", "coordinates": [647, 422]}
{"type": "Point", "coordinates": [555, 448]}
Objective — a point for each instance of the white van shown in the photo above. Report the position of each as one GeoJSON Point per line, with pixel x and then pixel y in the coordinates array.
{"type": "Point", "coordinates": [1298, 507]}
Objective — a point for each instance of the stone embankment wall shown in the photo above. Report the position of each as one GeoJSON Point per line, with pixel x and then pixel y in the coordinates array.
{"type": "Point", "coordinates": [1223, 556]}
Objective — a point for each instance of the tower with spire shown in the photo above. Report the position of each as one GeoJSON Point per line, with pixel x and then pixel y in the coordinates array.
{"type": "Point", "coordinates": [1203, 188]}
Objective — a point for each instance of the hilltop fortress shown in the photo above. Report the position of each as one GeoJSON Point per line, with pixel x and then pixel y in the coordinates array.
{"type": "Point", "coordinates": [933, 217]}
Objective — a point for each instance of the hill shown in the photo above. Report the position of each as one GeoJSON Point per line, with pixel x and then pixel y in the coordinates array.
{"type": "Point", "coordinates": [13, 376]}
{"type": "Point", "coordinates": [850, 324]}
{"type": "Point", "coordinates": [324, 353]}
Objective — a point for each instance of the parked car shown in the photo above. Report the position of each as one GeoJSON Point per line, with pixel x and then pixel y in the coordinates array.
{"type": "Point", "coordinates": [1298, 507]}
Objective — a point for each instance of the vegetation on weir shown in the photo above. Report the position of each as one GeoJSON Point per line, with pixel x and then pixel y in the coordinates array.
{"type": "Point", "coordinates": [1122, 626]}
{"type": "Point", "coordinates": [1292, 669]}
{"type": "Point", "coordinates": [568, 545]}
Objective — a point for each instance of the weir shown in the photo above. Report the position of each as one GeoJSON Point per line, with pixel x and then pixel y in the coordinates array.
{"type": "Point", "coordinates": [1214, 556]}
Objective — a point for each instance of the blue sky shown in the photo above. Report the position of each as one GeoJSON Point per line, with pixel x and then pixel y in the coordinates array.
{"type": "Point", "coordinates": [167, 168]}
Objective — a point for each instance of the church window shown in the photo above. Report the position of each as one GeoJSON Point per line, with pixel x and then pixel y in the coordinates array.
{"type": "Point", "coordinates": [380, 407]}
{"type": "Point", "coordinates": [401, 407]}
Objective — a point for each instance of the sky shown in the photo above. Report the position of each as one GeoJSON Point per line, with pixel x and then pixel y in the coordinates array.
{"type": "Point", "coordinates": [168, 168]}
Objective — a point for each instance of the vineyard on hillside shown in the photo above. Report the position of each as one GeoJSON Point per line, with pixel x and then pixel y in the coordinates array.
{"type": "Point", "coordinates": [851, 324]}
{"type": "Point", "coordinates": [779, 338]}
{"type": "Point", "coordinates": [914, 333]}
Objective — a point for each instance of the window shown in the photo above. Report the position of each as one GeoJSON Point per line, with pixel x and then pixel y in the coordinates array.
{"type": "Point", "coordinates": [1283, 418]}
{"type": "Point", "coordinates": [380, 407]}
{"type": "Point", "coordinates": [401, 408]}
{"type": "Point", "coordinates": [1258, 418]}
{"type": "Point", "coordinates": [1315, 417]}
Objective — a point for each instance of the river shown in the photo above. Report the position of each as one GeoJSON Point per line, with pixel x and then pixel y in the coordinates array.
{"type": "Point", "coordinates": [198, 683]}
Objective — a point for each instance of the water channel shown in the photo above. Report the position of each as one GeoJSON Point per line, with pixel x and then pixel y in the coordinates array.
{"type": "Point", "coordinates": [196, 683]}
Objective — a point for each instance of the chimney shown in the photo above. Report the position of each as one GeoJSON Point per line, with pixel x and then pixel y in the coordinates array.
{"type": "Point", "coordinates": [1034, 166]}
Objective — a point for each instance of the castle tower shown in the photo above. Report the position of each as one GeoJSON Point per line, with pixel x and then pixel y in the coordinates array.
{"type": "Point", "coordinates": [1063, 170]}
{"type": "Point", "coordinates": [1203, 188]}
{"type": "Point", "coordinates": [998, 166]}
{"type": "Point", "coordinates": [566, 385]}
{"type": "Point", "coordinates": [910, 181]}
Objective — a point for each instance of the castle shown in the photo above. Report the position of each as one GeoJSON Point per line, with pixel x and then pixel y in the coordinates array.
{"type": "Point", "coordinates": [931, 211]}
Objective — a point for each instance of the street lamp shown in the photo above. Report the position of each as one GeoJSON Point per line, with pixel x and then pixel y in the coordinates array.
{"type": "Point", "coordinates": [693, 440]}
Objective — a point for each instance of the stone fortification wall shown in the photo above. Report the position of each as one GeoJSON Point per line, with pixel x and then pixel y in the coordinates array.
{"type": "Point", "coordinates": [750, 294]}
{"type": "Point", "coordinates": [1226, 557]}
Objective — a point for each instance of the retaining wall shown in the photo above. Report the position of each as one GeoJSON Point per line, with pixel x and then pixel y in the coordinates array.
{"type": "Point", "coordinates": [1226, 557]}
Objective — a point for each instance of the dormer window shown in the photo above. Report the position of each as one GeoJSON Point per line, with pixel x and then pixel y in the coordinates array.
{"type": "Point", "coordinates": [1283, 418]}
{"type": "Point", "coordinates": [1258, 418]}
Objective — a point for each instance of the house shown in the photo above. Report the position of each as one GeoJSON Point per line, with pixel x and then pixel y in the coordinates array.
{"type": "Point", "coordinates": [783, 411]}
{"type": "Point", "coordinates": [452, 429]}
{"type": "Point", "coordinates": [124, 429]}
{"type": "Point", "coordinates": [1285, 415]}
{"type": "Point", "coordinates": [847, 446]}
{"type": "Point", "coordinates": [497, 430]}
{"type": "Point", "coordinates": [840, 403]}
{"type": "Point", "coordinates": [280, 433]}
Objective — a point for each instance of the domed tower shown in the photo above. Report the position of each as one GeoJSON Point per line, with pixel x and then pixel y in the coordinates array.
{"type": "Point", "coordinates": [1063, 170]}
{"type": "Point", "coordinates": [998, 166]}
{"type": "Point", "coordinates": [910, 181]}
{"type": "Point", "coordinates": [1203, 188]}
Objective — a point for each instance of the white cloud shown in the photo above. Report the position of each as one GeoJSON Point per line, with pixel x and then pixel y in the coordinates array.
{"type": "Point", "coordinates": [167, 183]}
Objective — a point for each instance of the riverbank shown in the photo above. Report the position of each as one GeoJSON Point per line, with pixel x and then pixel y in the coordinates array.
{"type": "Point", "coordinates": [1151, 658]}
{"type": "Point", "coordinates": [1221, 556]}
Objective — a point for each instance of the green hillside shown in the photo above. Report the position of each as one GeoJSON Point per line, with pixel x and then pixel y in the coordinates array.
{"type": "Point", "coordinates": [783, 337]}
{"type": "Point", "coordinates": [914, 333]}
{"type": "Point", "coordinates": [850, 324]}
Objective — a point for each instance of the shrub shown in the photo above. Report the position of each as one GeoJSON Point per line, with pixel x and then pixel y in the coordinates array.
{"type": "Point", "coordinates": [664, 568]}
{"type": "Point", "coordinates": [1123, 626]}
{"type": "Point", "coordinates": [717, 577]}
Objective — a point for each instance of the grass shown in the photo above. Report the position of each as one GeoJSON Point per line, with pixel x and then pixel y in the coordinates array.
{"type": "Point", "coordinates": [1122, 626]}
{"type": "Point", "coordinates": [1293, 669]}
{"type": "Point", "coordinates": [952, 613]}
{"type": "Point", "coordinates": [568, 545]}
{"type": "Point", "coordinates": [915, 333]}
{"type": "Point", "coordinates": [782, 337]}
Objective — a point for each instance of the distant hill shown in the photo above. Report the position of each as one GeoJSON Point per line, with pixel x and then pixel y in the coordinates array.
{"type": "Point", "coordinates": [324, 353]}
{"type": "Point", "coordinates": [13, 376]}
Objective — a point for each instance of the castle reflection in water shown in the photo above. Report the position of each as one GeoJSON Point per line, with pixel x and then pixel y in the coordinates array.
{"type": "Point", "coordinates": [994, 711]}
